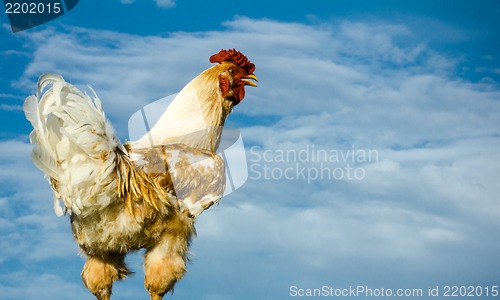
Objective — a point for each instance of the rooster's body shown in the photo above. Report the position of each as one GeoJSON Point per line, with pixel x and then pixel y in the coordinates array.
{"type": "Point", "coordinates": [143, 194]}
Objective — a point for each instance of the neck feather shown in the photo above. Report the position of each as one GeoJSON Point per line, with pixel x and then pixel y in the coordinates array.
{"type": "Point", "coordinates": [195, 117]}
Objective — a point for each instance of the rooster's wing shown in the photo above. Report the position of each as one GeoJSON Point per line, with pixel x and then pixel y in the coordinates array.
{"type": "Point", "coordinates": [197, 177]}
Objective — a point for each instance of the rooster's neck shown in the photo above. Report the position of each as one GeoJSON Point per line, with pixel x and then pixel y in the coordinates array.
{"type": "Point", "coordinates": [195, 117]}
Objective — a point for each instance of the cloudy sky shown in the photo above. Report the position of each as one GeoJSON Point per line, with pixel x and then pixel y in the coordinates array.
{"type": "Point", "coordinates": [372, 142]}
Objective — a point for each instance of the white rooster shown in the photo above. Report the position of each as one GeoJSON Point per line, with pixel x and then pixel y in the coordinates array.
{"type": "Point", "coordinates": [143, 194]}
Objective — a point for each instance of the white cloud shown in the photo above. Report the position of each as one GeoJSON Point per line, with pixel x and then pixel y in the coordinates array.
{"type": "Point", "coordinates": [159, 3]}
{"type": "Point", "coordinates": [7, 107]}
{"type": "Point", "coordinates": [3, 95]}
{"type": "Point", "coordinates": [430, 198]}
{"type": "Point", "coordinates": [39, 286]}
{"type": "Point", "coordinates": [358, 73]}
{"type": "Point", "coordinates": [165, 3]}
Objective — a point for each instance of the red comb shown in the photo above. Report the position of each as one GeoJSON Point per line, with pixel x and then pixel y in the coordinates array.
{"type": "Point", "coordinates": [236, 57]}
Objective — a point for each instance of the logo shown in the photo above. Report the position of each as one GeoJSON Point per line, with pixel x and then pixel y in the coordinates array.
{"type": "Point", "coordinates": [26, 14]}
{"type": "Point", "coordinates": [231, 147]}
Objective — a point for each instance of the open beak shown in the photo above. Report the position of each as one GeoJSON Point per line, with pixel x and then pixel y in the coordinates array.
{"type": "Point", "coordinates": [248, 82]}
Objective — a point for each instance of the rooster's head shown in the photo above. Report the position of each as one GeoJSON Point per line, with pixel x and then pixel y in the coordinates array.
{"type": "Point", "coordinates": [236, 72]}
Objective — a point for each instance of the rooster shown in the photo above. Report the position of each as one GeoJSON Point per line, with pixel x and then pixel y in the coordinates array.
{"type": "Point", "coordinates": [146, 194]}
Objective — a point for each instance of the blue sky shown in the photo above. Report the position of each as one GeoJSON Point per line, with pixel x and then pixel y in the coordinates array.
{"type": "Point", "coordinates": [415, 81]}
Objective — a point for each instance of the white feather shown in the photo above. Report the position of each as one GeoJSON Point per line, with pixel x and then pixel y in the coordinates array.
{"type": "Point", "coordinates": [73, 145]}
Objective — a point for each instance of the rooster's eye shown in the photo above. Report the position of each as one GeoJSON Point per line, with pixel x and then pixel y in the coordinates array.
{"type": "Point", "coordinates": [231, 71]}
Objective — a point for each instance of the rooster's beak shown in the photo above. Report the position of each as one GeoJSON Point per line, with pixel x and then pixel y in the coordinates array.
{"type": "Point", "coordinates": [248, 82]}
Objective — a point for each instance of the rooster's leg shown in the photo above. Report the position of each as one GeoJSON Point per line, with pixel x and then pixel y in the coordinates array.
{"type": "Point", "coordinates": [165, 263]}
{"type": "Point", "coordinates": [99, 273]}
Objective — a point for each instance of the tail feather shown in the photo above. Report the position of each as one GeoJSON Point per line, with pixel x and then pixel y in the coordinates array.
{"type": "Point", "coordinates": [30, 108]}
{"type": "Point", "coordinates": [75, 146]}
